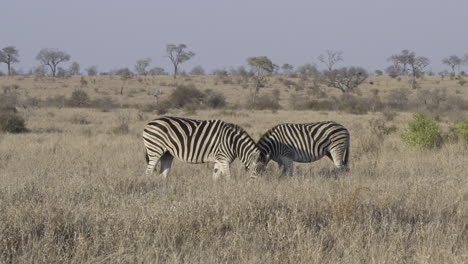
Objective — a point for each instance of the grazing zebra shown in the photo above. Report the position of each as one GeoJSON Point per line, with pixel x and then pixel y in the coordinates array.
{"type": "Point", "coordinates": [198, 141]}
{"type": "Point", "coordinates": [287, 143]}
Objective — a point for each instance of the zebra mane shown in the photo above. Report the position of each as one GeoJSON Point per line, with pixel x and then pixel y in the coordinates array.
{"type": "Point", "coordinates": [241, 130]}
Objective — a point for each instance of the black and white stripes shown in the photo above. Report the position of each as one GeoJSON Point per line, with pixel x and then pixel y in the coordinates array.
{"type": "Point", "coordinates": [287, 143]}
{"type": "Point", "coordinates": [197, 141]}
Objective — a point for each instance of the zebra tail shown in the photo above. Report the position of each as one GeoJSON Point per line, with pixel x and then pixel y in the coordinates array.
{"type": "Point", "coordinates": [346, 157]}
{"type": "Point", "coordinates": [146, 157]}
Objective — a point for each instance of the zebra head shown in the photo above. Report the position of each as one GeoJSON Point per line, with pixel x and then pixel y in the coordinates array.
{"type": "Point", "coordinates": [246, 150]}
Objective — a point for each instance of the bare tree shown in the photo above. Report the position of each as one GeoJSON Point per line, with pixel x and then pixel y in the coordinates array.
{"type": "Point", "coordinates": [453, 62]}
{"type": "Point", "coordinates": [52, 58]}
{"type": "Point", "coordinates": [141, 66]}
{"type": "Point", "coordinates": [345, 79]}
{"type": "Point", "coordinates": [178, 55]}
{"type": "Point", "coordinates": [9, 55]}
{"type": "Point", "coordinates": [74, 69]}
{"type": "Point", "coordinates": [261, 67]}
{"type": "Point", "coordinates": [330, 58]}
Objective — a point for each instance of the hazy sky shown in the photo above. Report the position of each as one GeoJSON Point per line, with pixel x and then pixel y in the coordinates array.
{"type": "Point", "coordinates": [113, 34]}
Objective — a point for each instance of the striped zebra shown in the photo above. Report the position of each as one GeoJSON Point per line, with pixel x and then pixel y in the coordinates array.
{"type": "Point", "coordinates": [286, 143]}
{"type": "Point", "coordinates": [198, 141]}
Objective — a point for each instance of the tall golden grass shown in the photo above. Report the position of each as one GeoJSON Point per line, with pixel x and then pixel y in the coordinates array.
{"type": "Point", "coordinates": [72, 191]}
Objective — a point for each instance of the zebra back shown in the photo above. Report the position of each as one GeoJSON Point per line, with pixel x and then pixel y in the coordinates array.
{"type": "Point", "coordinates": [199, 141]}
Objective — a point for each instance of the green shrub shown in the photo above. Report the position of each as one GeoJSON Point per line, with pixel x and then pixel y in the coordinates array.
{"type": "Point", "coordinates": [11, 122]}
{"type": "Point", "coordinates": [422, 131]}
{"type": "Point", "coordinates": [459, 132]}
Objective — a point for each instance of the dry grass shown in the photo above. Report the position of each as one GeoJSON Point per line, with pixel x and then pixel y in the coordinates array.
{"type": "Point", "coordinates": [73, 191]}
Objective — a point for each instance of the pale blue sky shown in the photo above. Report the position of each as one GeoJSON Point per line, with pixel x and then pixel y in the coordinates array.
{"type": "Point", "coordinates": [114, 34]}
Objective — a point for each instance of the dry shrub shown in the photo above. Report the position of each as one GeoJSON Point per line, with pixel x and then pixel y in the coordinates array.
{"type": "Point", "coordinates": [122, 123]}
{"type": "Point", "coordinates": [264, 102]}
{"type": "Point", "coordinates": [353, 104]}
{"type": "Point", "coordinates": [79, 98]}
{"type": "Point", "coordinates": [397, 99]}
{"type": "Point", "coordinates": [79, 119]}
{"type": "Point", "coordinates": [11, 122]}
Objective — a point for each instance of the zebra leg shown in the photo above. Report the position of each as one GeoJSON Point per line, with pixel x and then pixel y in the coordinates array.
{"type": "Point", "coordinates": [152, 161]}
{"type": "Point", "coordinates": [289, 165]}
{"type": "Point", "coordinates": [338, 157]}
{"type": "Point", "coordinates": [166, 163]}
{"type": "Point", "coordinates": [286, 165]}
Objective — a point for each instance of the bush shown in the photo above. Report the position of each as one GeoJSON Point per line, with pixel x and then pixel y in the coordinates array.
{"type": "Point", "coordinates": [11, 122]}
{"type": "Point", "coordinates": [214, 99]}
{"type": "Point", "coordinates": [422, 131]}
{"type": "Point", "coordinates": [265, 102]}
{"type": "Point", "coordinates": [186, 95]}
{"type": "Point", "coordinates": [459, 132]}
{"type": "Point", "coordinates": [354, 105]}
{"type": "Point", "coordinates": [79, 98]}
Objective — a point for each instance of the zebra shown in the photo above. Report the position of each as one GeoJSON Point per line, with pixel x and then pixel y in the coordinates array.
{"type": "Point", "coordinates": [198, 141]}
{"type": "Point", "coordinates": [286, 143]}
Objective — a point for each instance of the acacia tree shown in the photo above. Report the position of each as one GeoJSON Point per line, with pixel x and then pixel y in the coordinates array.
{"type": "Point", "coordinates": [453, 62]}
{"type": "Point", "coordinates": [9, 55]}
{"type": "Point", "coordinates": [52, 58]}
{"type": "Point", "coordinates": [178, 55]}
{"type": "Point", "coordinates": [141, 65]}
{"type": "Point", "coordinates": [409, 64]}
{"type": "Point", "coordinates": [345, 79]}
{"type": "Point", "coordinates": [261, 67]}
{"type": "Point", "coordinates": [331, 58]}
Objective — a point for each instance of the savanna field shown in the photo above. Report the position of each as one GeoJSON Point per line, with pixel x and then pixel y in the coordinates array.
{"type": "Point", "coordinates": [72, 187]}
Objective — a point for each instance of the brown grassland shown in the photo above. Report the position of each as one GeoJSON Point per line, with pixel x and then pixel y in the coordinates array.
{"type": "Point", "coordinates": [72, 189]}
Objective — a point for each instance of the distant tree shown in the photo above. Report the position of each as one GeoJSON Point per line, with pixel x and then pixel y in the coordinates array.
{"type": "Point", "coordinates": [9, 55]}
{"type": "Point", "coordinates": [287, 68]}
{"type": "Point", "coordinates": [125, 74]}
{"type": "Point", "coordinates": [157, 71]}
{"type": "Point", "coordinates": [197, 70]}
{"type": "Point", "coordinates": [393, 71]}
{"type": "Point", "coordinates": [74, 69]}
{"type": "Point", "coordinates": [52, 58]}
{"type": "Point", "coordinates": [307, 70]}
{"type": "Point", "coordinates": [409, 64]}
{"type": "Point", "coordinates": [92, 70]}
{"type": "Point", "coordinates": [61, 72]}
{"type": "Point", "coordinates": [331, 58]}
{"type": "Point", "coordinates": [401, 62]}
{"type": "Point", "coordinates": [417, 66]}
{"type": "Point", "coordinates": [261, 67]}
{"type": "Point", "coordinates": [345, 79]}
{"type": "Point", "coordinates": [453, 62]}
{"type": "Point", "coordinates": [178, 55]}
{"type": "Point", "coordinates": [40, 70]}
{"type": "Point", "coordinates": [141, 65]}
{"type": "Point", "coordinates": [378, 72]}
